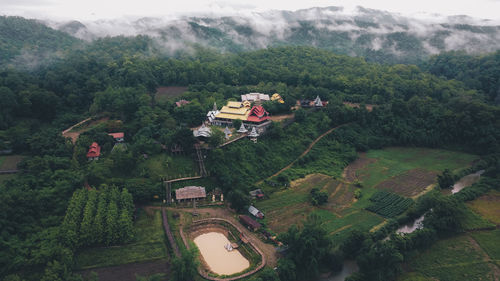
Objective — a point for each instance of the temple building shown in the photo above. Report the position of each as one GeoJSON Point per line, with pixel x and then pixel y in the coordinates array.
{"type": "Point", "coordinates": [256, 116]}
{"type": "Point", "coordinates": [255, 97]}
{"type": "Point", "coordinates": [232, 111]}
{"type": "Point", "coordinates": [203, 131]}
{"type": "Point", "coordinates": [211, 114]}
{"type": "Point", "coordinates": [277, 97]}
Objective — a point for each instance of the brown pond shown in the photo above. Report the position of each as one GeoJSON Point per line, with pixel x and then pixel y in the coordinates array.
{"type": "Point", "coordinates": [218, 259]}
{"type": "Point", "coordinates": [466, 181]}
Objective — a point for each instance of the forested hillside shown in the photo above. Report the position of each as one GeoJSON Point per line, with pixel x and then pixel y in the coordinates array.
{"type": "Point", "coordinates": [114, 80]}
{"type": "Point", "coordinates": [27, 43]}
{"type": "Point", "coordinates": [477, 72]}
{"type": "Point", "coordinates": [376, 35]}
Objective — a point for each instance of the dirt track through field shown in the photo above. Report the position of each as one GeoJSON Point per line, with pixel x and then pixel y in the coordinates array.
{"type": "Point", "coordinates": [304, 153]}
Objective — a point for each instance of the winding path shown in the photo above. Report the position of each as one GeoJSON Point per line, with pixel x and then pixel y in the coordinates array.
{"type": "Point", "coordinates": [304, 153]}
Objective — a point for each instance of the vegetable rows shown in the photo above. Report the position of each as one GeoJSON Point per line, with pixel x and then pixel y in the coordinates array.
{"type": "Point", "coordinates": [388, 204]}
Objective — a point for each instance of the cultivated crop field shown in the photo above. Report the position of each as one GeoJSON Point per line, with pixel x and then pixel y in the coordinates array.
{"type": "Point", "coordinates": [457, 258]}
{"type": "Point", "coordinates": [405, 171]}
{"type": "Point", "coordinates": [408, 170]}
{"type": "Point", "coordinates": [388, 204]}
{"type": "Point", "coordinates": [338, 216]}
{"type": "Point", "coordinates": [149, 245]}
{"type": "Point", "coordinates": [488, 206]}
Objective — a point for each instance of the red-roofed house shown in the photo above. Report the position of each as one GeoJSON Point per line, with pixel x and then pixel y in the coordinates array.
{"type": "Point", "coordinates": [181, 103]}
{"type": "Point", "coordinates": [258, 115]}
{"type": "Point", "coordinates": [119, 137]}
{"type": "Point", "coordinates": [94, 152]}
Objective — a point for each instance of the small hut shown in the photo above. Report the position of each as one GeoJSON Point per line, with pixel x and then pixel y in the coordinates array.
{"type": "Point", "coordinates": [190, 193]}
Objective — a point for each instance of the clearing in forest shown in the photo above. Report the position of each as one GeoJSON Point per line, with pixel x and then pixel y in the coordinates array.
{"type": "Point", "coordinates": [149, 244]}
{"type": "Point", "coordinates": [76, 130]}
{"type": "Point", "coordinates": [169, 166]}
{"type": "Point", "coordinates": [9, 162]}
{"type": "Point", "coordinates": [163, 93]}
{"type": "Point", "coordinates": [488, 206]}
{"type": "Point", "coordinates": [463, 257]}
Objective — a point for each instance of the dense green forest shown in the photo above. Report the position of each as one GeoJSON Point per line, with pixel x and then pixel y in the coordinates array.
{"type": "Point", "coordinates": [44, 208]}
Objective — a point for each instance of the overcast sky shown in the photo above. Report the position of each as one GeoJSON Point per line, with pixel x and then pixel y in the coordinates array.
{"type": "Point", "coordinates": [108, 9]}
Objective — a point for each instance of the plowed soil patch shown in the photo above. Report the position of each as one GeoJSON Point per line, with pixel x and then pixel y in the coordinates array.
{"type": "Point", "coordinates": [350, 172]}
{"type": "Point", "coordinates": [410, 183]}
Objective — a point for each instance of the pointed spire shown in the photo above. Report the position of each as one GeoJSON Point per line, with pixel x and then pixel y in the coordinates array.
{"type": "Point", "coordinates": [318, 102]}
{"type": "Point", "coordinates": [215, 107]}
{"type": "Point", "coordinates": [254, 133]}
{"type": "Point", "coordinates": [242, 129]}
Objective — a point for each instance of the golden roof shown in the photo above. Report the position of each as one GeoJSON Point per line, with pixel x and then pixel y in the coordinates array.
{"type": "Point", "coordinates": [234, 104]}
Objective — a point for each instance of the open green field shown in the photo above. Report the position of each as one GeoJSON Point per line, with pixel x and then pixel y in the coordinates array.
{"type": "Point", "coordinates": [150, 244]}
{"type": "Point", "coordinates": [473, 221]}
{"type": "Point", "coordinates": [406, 171]}
{"type": "Point", "coordinates": [169, 166]}
{"type": "Point", "coordinates": [489, 242]}
{"type": "Point", "coordinates": [338, 216]}
{"type": "Point", "coordinates": [9, 162]}
{"type": "Point", "coordinates": [457, 258]}
{"type": "Point", "coordinates": [488, 206]}
{"type": "Point", "coordinates": [410, 170]}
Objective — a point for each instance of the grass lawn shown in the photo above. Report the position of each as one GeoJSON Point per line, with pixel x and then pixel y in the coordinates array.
{"type": "Point", "coordinates": [489, 242]}
{"type": "Point", "coordinates": [9, 162]}
{"type": "Point", "coordinates": [169, 166]}
{"type": "Point", "coordinates": [488, 206]}
{"type": "Point", "coordinates": [457, 258]}
{"type": "Point", "coordinates": [150, 244]}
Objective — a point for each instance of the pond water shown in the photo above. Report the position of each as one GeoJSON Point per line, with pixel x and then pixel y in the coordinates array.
{"type": "Point", "coordinates": [348, 268]}
{"type": "Point", "coordinates": [410, 227]}
{"type": "Point", "coordinates": [466, 181]}
{"type": "Point", "coordinates": [219, 260]}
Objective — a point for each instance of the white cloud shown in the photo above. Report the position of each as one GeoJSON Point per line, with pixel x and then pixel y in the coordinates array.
{"type": "Point", "coordinates": [108, 9]}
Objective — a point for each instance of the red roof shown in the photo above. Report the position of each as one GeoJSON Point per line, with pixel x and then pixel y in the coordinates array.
{"type": "Point", "coordinates": [181, 103]}
{"type": "Point", "coordinates": [94, 150]}
{"type": "Point", "coordinates": [258, 114]}
{"type": "Point", "coordinates": [117, 135]}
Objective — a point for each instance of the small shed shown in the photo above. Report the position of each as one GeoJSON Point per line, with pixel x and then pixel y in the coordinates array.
{"type": "Point", "coordinates": [250, 223]}
{"type": "Point", "coordinates": [254, 211]}
{"type": "Point", "coordinates": [257, 194]}
{"type": "Point", "coordinates": [190, 193]}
